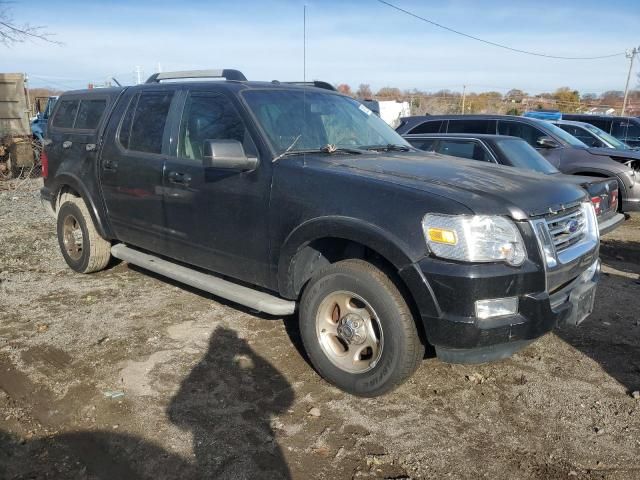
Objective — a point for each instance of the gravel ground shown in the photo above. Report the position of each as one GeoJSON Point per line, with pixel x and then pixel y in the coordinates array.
{"type": "Point", "coordinates": [121, 374]}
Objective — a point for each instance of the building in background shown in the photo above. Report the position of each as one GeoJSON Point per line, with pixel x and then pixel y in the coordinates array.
{"type": "Point", "coordinates": [389, 110]}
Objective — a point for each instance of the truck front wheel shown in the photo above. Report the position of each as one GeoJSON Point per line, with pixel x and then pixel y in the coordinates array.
{"type": "Point", "coordinates": [357, 329]}
{"type": "Point", "coordinates": [84, 250]}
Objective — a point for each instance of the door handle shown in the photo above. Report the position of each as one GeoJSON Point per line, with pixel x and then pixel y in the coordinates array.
{"type": "Point", "coordinates": [67, 144]}
{"type": "Point", "coordinates": [109, 165]}
{"type": "Point", "coordinates": [178, 177]}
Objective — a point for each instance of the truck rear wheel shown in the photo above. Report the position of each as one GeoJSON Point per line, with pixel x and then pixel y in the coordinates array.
{"type": "Point", "coordinates": [357, 329]}
{"type": "Point", "coordinates": [84, 250]}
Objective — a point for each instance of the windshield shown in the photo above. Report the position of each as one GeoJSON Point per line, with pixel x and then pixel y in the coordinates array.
{"type": "Point", "coordinates": [298, 120]}
{"type": "Point", "coordinates": [564, 136]}
{"type": "Point", "coordinates": [604, 136]}
{"type": "Point", "coordinates": [523, 155]}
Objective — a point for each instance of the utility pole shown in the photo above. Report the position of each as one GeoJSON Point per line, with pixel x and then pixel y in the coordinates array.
{"type": "Point", "coordinates": [138, 75]}
{"type": "Point", "coordinates": [631, 55]}
{"type": "Point", "coordinates": [464, 97]}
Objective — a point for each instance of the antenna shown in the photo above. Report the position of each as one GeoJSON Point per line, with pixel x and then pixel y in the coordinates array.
{"type": "Point", "coordinates": [304, 76]}
{"type": "Point", "coordinates": [304, 43]}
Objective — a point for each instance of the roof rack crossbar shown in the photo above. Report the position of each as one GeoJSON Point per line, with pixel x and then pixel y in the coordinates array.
{"type": "Point", "coordinates": [227, 74]}
{"type": "Point", "coordinates": [314, 83]}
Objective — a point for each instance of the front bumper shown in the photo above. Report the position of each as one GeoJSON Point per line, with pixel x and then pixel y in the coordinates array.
{"type": "Point", "coordinates": [459, 337]}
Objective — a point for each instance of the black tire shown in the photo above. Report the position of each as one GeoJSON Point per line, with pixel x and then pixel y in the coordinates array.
{"type": "Point", "coordinates": [86, 253]}
{"type": "Point", "coordinates": [401, 351]}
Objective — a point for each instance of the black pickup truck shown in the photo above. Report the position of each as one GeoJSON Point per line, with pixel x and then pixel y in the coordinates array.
{"type": "Point", "coordinates": [293, 198]}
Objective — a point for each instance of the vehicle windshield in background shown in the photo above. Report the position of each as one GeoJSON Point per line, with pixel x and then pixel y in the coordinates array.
{"type": "Point", "coordinates": [607, 138]}
{"type": "Point", "coordinates": [523, 155]}
{"type": "Point", "coordinates": [567, 137]}
{"type": "Point", "coordinates": [297, 120]}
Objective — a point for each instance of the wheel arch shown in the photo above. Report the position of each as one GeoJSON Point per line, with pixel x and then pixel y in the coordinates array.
{"type": "Point", "coordinates": [321, 241]}
{"type": "Point", "coordinates": [69, 183]}
{"type": "Point", "coordinates": [622, 188]}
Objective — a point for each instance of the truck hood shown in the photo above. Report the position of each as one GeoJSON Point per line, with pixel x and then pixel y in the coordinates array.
{"type": "Point", "coordinates": [582, 180]}
{"type": "Point", "coordinates": [484, 188]}
{"type": "Point", "coordinates": [618, 155]}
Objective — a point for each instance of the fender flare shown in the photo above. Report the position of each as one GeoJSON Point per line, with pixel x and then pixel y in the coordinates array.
{"type": "Point", "coordinates": [98, 215]}
{"type": "Point", "coordinates": [392, 248]}
{"type": "Point", "coordinates": [596, 171]}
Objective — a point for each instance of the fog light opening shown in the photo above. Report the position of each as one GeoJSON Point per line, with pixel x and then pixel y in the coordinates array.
{"type": "Point", "coordinates": [496, 307]}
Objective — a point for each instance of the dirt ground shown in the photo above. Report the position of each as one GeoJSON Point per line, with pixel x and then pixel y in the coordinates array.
{"type": "Point", "coordinates": [121, 375]}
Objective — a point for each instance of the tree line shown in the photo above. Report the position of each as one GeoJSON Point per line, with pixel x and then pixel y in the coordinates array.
{"type": "Point", "coordinates": [514, 102]}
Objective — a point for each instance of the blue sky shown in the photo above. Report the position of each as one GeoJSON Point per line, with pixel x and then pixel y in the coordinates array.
{"type": "Point", "coordinates": [347, 41]}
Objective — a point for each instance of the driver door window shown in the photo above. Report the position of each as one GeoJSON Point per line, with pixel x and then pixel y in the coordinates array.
{"type": "Point", "coordinates": [464, 149]}
{"type": "Point", "coordinates": [210, 117]}
{"type": "Point", "coordinates": [582, 135]}
{"type": "Point", "coordinates": [625, 130]}
{"type": "Point", "coordinates": [522, 130]}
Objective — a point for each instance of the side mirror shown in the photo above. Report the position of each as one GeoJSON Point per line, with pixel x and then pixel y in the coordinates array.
{"type": "Point", "coordinates": [547, 142]}
{"type": "Point", "coordinates": [227, 154]}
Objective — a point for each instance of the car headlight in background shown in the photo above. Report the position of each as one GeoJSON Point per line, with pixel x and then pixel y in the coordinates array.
{"type": "Point", "coordinates": [474, 238]}
{"type": "Point", "coordinates": [631, 173]}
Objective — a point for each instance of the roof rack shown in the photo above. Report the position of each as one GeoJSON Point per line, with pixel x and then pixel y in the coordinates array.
{"type": "Point", "coordinates": [315, 83]}
{"type": "Point", "coordinates": [227, 74]}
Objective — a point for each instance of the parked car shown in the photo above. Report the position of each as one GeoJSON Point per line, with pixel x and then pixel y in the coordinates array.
{"type": "Point", "coordinates": [591, 135]}
{"type": "Point", "coordinates": [543, 114]}
{"type": "Point", "coordinates": [515, 152]}
{"type": "Point", "coordinates": [290, 198]}
{"type": "Point", "coordinates": [564, 151]}
{"type": "Point", "coordinates": [39, 124]}
{"type": "Point", "coordinates": [625, 129]}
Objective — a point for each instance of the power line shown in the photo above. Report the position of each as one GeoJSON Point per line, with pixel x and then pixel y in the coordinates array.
{"type": "Point", "coordinates": [488, 42]}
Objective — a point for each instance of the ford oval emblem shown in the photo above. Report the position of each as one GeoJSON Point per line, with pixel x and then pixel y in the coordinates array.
{"type": "Point", "coordinates": [572, 226]}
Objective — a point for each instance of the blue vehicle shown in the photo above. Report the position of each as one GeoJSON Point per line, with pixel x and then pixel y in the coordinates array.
{"type": "Point", "coordinates": [39, 125]}
{"type": "Point", "coordinates": [543, 114]}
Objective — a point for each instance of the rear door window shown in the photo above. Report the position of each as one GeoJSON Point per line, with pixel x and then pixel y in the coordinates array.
{"type": "Point", "coordinates": [143, 124]}
{"type": "Point", "coordinates": [66, 114]}
{"type": "Point", "coordinates": [90, 113]}
{"type": "Point", "coordinates": [472, 126]}
{"type": "Point", "coordinates": [432, 126]}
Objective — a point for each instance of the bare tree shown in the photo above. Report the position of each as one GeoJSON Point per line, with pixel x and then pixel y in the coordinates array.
{"type": "Point", "coordinates": [12, 32]}
{"type": "Point", "coordinates": [345, 89]}
{"type": "Point", "coordinates": [364, 91]}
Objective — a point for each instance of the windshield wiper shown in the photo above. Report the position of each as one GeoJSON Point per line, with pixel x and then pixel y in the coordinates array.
{"type": "Point", "coordinates": [389, 147]}
{"type": "Point", "coordinates": [329, 149]}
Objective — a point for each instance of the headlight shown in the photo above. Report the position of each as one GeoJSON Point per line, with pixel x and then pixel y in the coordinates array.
{"type": "Point", "coordinates": [477, 238]}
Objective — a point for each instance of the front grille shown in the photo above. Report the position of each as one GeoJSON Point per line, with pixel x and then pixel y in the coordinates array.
{"type": "Point", "coordinates": [567, 227]}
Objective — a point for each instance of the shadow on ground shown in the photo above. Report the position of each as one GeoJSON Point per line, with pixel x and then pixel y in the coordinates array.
{"type": "Point", "coordinates": [622, 254]}
{"type": "Point", "coordinates": [226, 403]}
{"type": "Point", "coordinates": [611, 335]}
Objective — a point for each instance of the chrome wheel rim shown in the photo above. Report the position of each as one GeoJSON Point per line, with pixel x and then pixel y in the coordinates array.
{"type": "Point", "coordinates": [72, 237]}
{"type": "Point", "coordinates": [349, 332]}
